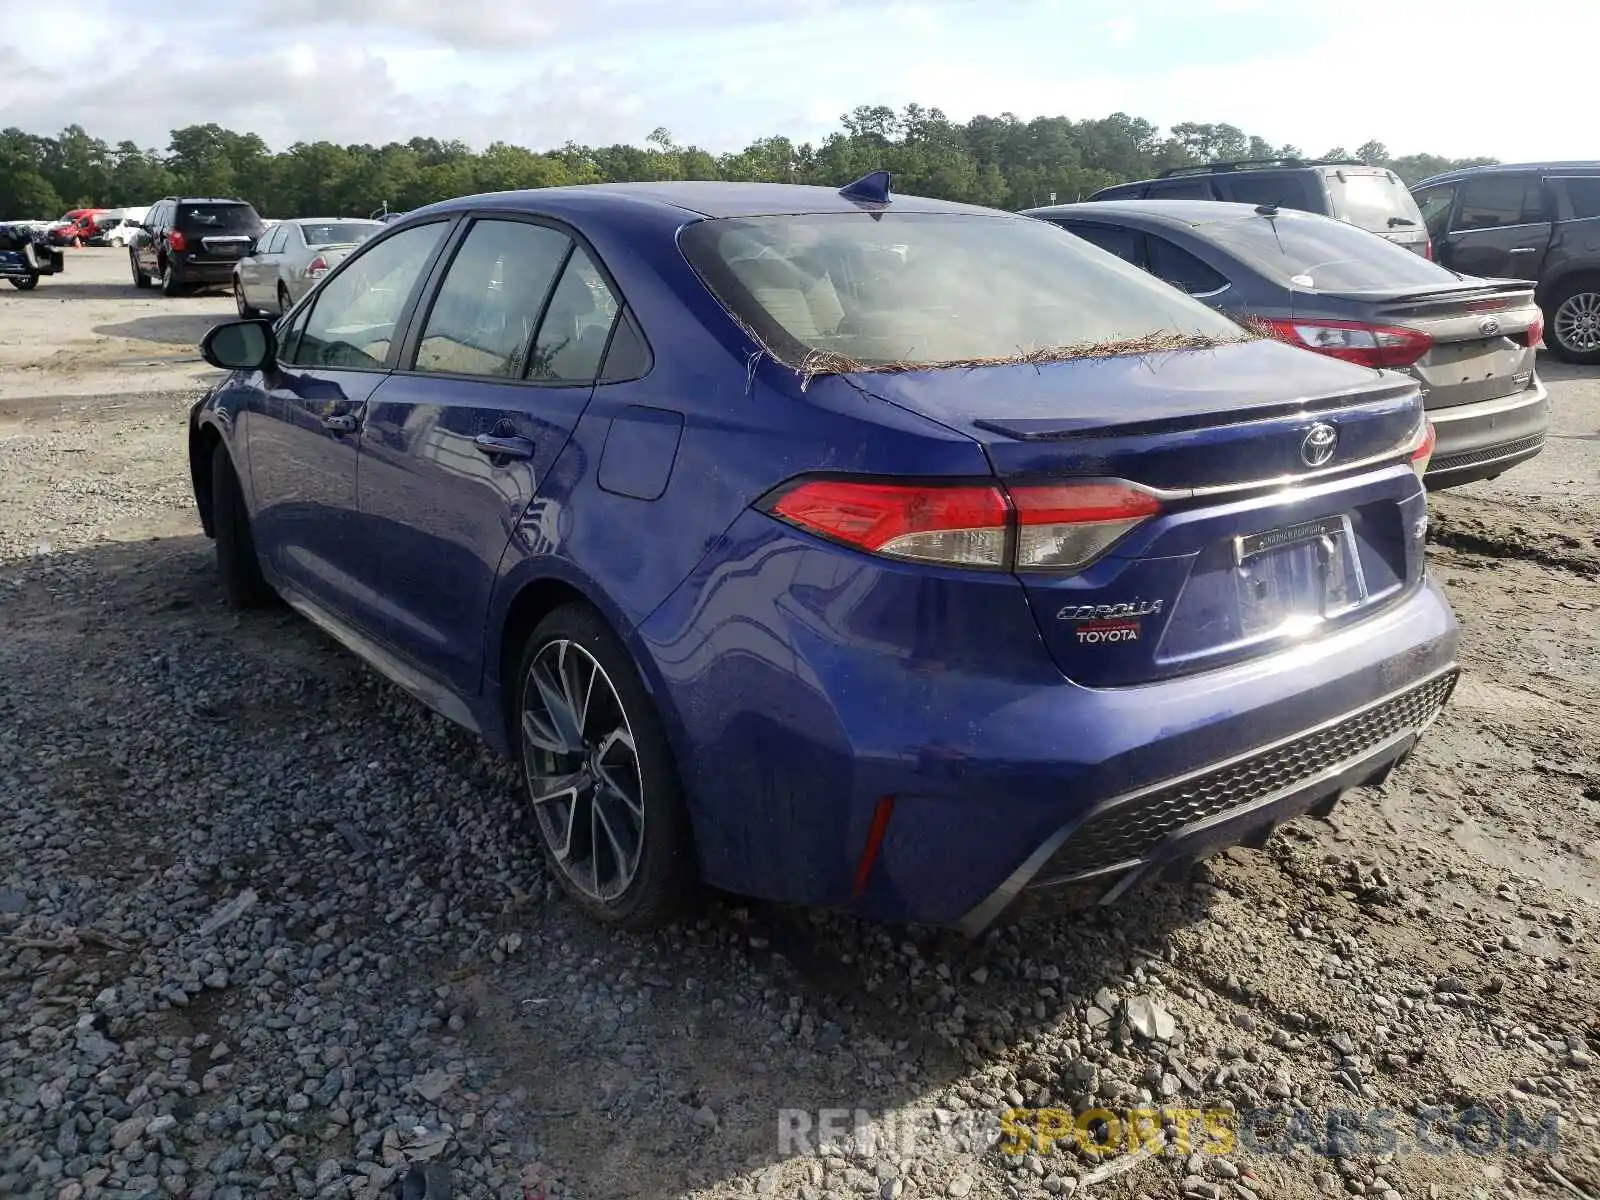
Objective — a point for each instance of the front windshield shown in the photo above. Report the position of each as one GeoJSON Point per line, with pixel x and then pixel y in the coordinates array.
{"type": "Point", "coordinates": [923, 289]}
{"type": "Point", "coordinates": [1310, 253]}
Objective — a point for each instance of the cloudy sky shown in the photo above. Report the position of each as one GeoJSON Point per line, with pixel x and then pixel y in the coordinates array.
{"type": "Point", "coordinates": [1453, 77]}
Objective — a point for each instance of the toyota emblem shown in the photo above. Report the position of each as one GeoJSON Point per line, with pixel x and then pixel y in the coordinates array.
{"type": "Point", "coordinates": [1318, 445]}
{"type": "Point", "coordinates": [1488, 327]}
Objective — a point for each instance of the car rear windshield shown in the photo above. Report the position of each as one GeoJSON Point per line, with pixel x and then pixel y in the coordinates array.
{"type": "Point", "coordinates": [217, 218]}
{"type": "Point", "coordinates": [326, 233]}
{"type": "Point", "coordinates": [1318, 254]}
{"type": "Point", "coordinates": [920, 289]}
{"type": "Point", "coordinates": [1373, 200]}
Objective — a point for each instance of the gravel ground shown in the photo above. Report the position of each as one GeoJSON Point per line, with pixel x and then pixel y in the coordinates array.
{"type": "Point", "coordinates": [268, 928]}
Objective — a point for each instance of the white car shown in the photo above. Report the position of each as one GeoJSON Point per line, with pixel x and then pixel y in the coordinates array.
{"type": "Point", "coordinates": [128, 229]}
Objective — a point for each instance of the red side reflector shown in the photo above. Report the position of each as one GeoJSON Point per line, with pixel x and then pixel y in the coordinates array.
{"type": "Point", "coordinates": [869, 853]}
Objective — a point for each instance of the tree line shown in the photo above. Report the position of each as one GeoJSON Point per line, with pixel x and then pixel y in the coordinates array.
{"type": "Point", "coordinates": [1001, 161]}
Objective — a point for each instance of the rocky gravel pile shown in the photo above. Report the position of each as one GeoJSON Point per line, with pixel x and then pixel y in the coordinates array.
{"type": "Point", "coordinates": [268, 929]}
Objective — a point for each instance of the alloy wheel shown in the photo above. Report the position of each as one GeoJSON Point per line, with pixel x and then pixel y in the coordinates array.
{"type": "Point", "coordinates": [239, 300]}
{"type": "Point", "coordinates": [1577, 321]}
{"type": "Point", "coordinates": [582, 770]}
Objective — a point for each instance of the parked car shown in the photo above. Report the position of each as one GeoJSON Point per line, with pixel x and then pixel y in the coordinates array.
{"type": "Point", "coordinates": [127, 227]}
{"type": "Point", "coordinates": [26, 255]}
{"type": "Point", "coordinates": [290, 258]}
{"type": "Point", "coordinates": [1370, 198]}
{"type": "Point", "coordinates": [192, 242]}
{"type": "Point", "coordinates": [704, 514]}
{"type": "Point", "coordinates": [1536, 221]}
{"type": "Point", "coordinates": [77, 227]}
{"type": "Point", "coordinates": [1321, 284]}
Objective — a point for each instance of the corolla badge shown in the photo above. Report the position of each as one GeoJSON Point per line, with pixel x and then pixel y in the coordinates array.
{"type": "Point", "coordinates": [1318, 445]}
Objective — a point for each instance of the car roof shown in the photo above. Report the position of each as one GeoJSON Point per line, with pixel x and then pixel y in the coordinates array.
{"type": "Point", "coordinates": [1582, 166]}
{"type": "Point", "coordinates": [1170, 214]}
{"type": "Point", "coordinates": [698, 198]}
{"type": "Point", "coordinates": [205, 200]}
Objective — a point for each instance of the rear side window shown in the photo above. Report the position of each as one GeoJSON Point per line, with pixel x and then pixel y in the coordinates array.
{"type": "Point", "coordinates": [1124, 243]}
{"type": "Point", "coordinates": [1308, 253]}
{"type": "Point", "coordinates": [1374, 200]}
{"type": "Point", "coordinates": [1175, 265]}
{"type": "Point", "coordinates": [1278, 188]}
{"type": "Point", "coordinates": [483, 319]}
{"type": "Point", "coordinates": [1493, 201]}
{"type": "Point", "coordinates": [1183, 189]}
{"type": "Point", "coordinates": [1583, 193]}
{"type": "Point", "coordinates": [925, 289]}
{"type": "Point", "coordinates": [576, 326]}
{"type": "Point", "coordinates": [217, 218]}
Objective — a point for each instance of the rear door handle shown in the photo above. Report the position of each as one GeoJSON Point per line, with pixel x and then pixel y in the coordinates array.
{"type": "Point", "coordinates": [502, 447]}
{"type": "Point", "coordinates": [341, 423]}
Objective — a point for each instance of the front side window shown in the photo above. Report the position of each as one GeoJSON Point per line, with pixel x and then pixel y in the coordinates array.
{"type": "Point", "coordinates": [576, 327]}
{"type": "Point", "coordinates": [1435, 203]}
{"type": "Point", "coordinates": [352, 321]}
{"type": "Point", "coordinates": [924, 289]}
{"type": "Point", "coordinates": [483, 318]}
{"type": "Point", "coordinates": [1494, 201]}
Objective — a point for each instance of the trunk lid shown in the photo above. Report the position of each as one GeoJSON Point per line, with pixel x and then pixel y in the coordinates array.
{"type": "Point", "coordinates": [1253, 549]}
{"type": "Point", "coordinates": [1480, 331]}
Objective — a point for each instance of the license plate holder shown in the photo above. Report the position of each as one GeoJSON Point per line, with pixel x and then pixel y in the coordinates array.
{"type": "Point", "coordinates": [1296, 576]}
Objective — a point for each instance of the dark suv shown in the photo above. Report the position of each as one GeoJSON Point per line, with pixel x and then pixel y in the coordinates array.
{"type": "Point", "coordinates": [1370, 198]}
{"type": "Point", "coordinates": [191, 242]}
{"type": "Point", "coordinates": [1538, 221]}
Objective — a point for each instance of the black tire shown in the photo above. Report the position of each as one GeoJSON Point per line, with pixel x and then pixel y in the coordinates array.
{"type": "Point", "coordinates": [1573, 310]}
{"type": "Point", "coordinates": [171, 282]}
{"type": "Point", "coordinates": [284, 303]}
{"type": "Point", "coordinates": [24, 285]}
{"type": "Point", "coordinates": [237, 563]}
{"type": "Point", "coordinates": [246, 310]}
{"type": "Point", "coordinates": [140, 279]}
{"type": "Point", "coordinates": [664, 875]}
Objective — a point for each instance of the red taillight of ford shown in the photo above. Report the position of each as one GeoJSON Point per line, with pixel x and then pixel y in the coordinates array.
{"type": "Point", "coordinates": [1391, 346]}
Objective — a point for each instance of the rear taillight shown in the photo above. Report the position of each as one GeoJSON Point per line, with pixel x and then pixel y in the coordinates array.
{"type": "Point", "coordinates": [1050, 527]}
{"type": "Point", "coordinates": [317, 267]}
{"type": "Point", "coordinates": [1355, 341]}
{"type": "Point", "coordinates": [1422, 448]}
{"type": "Point", "coordinates": [1535, 333]}
{"type": "Point", "coordinates": [176, 241]}
{"type": "Point", "coordinates": [1427, 249]}
{"type": "Point", "coordinates": [1065, 526]}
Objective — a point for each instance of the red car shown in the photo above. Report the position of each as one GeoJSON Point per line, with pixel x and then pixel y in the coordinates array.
{"type": "Point", "coordinates": [78, 226]}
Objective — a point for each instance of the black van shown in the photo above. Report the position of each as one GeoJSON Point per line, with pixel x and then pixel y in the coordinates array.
{"type": "Point", "coordinates": [1538, 221]}
{"type": "Point", "coordinates": [1371, 198]}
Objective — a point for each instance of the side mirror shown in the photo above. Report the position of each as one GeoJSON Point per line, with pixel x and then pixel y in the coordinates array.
{"type": "Point", "coordinates": [240, 346]}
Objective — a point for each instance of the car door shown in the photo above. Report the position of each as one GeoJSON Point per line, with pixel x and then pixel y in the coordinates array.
{"type": "Point", "coordinates": [305, 428]}
{"type": "Point", "coordinates": [262, 271]}
{"type": "Point", "coordinates": [1499, 228]}
{"type": "Point", "coordinates": [148, 247]}
{"type": "Point", "coordinates": [460, 440]}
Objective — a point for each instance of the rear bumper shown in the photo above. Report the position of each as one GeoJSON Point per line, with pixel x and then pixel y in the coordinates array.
{"type": "Point", "coordinates": [1476, 441]}
{"type": "Point", "coordinates": [1143, 835]}
{"type": "Point", "coordinates": [206, 270]}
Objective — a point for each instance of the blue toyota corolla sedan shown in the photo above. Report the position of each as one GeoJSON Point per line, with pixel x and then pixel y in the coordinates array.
{"type": "Point", "coordinates": [835, 547]}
